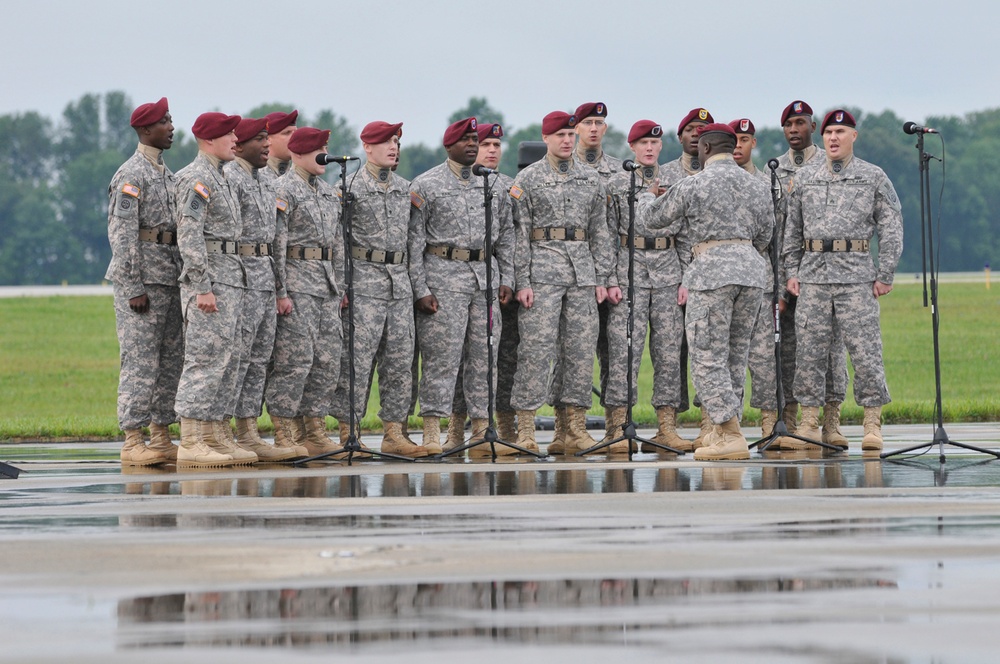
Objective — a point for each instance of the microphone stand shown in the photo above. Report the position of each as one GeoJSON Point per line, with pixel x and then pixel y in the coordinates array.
{"type": "Point", "coordinates": [490, 435]}
{"type": "Point", "coordinates": [940, 435]}
{"type": "Point", "coordinates": [780, 430]}
{"type": "Point", "coordinates": [352, 446]}
{"type": "Point", "coordinates": [628, 428]}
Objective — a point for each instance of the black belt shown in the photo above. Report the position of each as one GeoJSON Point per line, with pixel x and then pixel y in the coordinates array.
{"type": "Point", "coordinates": [310, 253]}
{"type": "Point", "coordinates": [456, 253]}
{"type": "Point", "coordinates": [158, 237]}
{"type": "Point", "coordinates": [262, 249]}
{"type": "Point", "coordinates": [378, 255]}
{"type": "Point", "coordinates": [559, 233]}
{"type": "Point", "coordinates": [835, 245]}
{"type": "Point", "coordinates": [649, 242]}
{"type": "Point", "coordinates": [221, 246]}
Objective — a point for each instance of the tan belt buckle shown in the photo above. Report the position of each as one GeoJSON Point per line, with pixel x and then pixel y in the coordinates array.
{"type": "Point", "coordinates": [378, 255]}
{"type": "Point", "coordinates": [312, 253]}
{"type": "Point", "coordinates": [840, 245]}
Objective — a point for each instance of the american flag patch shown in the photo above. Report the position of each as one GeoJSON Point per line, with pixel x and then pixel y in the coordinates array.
{"type": "Point", "coordinates": [416, 199]}
{"type": "Point", "coordinates": [282, 205]}
{"type": "Point", "coordinates": [202, 190]}
{"type": "Point", "coordinates": [131, 190]}
{"type": "Point", "coordinates": [516, 192]}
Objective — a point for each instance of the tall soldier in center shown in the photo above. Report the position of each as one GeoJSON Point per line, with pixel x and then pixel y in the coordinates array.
{"type": "Point", "coordinates": [564, 256]}
{"type": "Point", "coordinates": [447, 249]}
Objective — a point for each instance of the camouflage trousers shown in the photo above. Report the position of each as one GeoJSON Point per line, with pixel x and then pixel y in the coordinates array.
{"type": "Point", "coordinates": [306, 359]}
{"type": "Point", "coordinates": [383, 339]}
{"type": "Point", "coordinates": [211, 344]}
{"type": "Point", "coordinates": [602, 353]}
{"type": "Point", "coordinates": [455, 335]}
{"type": "Point", "coordinates": [719, 325]}
{"type": "Point", "coordinates": [852, 309]}
{"type": "Point", "coordinates": [836, 368]}
{"type": "Point", "coordinates": [256, 342]}
{"type": "Point", "coordinates": [152, 355]}
{"type": "Point", "coordinates": [506, 362]}
{"type": "Point", "coordinates": [657, 309]}
{"type": "Point", "coordinates": [763, 377]}
{"type": "Point", "coordinates": [560, 327]}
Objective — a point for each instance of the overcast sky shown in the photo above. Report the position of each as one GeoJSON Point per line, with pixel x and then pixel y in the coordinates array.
{"type": "Point", "coordinates": [417, 61]}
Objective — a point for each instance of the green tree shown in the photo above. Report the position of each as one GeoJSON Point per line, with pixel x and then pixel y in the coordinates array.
{"type": "Point", "coordinates": [479, 108]}
{"type": "Point", "coordinates": [417, 159]}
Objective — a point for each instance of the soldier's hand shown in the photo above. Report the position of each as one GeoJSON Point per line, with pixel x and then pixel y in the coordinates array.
{"type": "Point", "coordinates": [284, 306]}
{"type": "Point", "coordinates": [206, 302]}
{"type": "Point", "coordinates": [793, 286]}
{"type": "Point", "coordinates": [344, 302]}
{"type": "Point", "coordinates": [526, 297]}
{"type": "Point", "coordinates": [601, 293]}
{"type": "Point", "coordinates": [505, 294]}
{"type": "Point", "coordinates": [881, 289]}
{"type": "Point", "coordinates": [614, 295]}
{"type": "Point", "coordinates": [656, 189]}
{"type": "Point", "coordinates": [427, 304]}
{"type": "Point", "coordinates": [682, 296]}
{"type": "Point", "coordinates": [139, 304]}
{"type": "Point", "coordinates": [782, 305]}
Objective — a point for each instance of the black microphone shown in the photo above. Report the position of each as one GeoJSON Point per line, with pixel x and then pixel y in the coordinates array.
{"type": "Point", "coordinates": [325, 159]}
{"type": "Point", "coordinates": [914, 128]}
{"type": "Point", "coordinates": [481, 170]}
{"type": "Point", "coordinates": [629, 165]}
{"type": "Point", "coordinates": [772, 164]}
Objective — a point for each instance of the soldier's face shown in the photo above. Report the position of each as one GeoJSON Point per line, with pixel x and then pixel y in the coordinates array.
{"type": "Point", "coordinates": [798, 131]}
{"type": "Point", "coordinates": [279, 143]}
{"type": "Point", "coordinates": [839, 141]}
{"type": "Point", "coordinates": [255, 150]}
{"type": "Point", "coordinates": [689, 137]}
{"type": "Point", "coordinates": [647, 150]}
{"type": "Point", "coordinates": [560, 144]}
{"type": "Point", "coordinates": [591, 131]}
{"type": "Point", "coordinates": [490, 153]}
{"type": "Point", "coordinates": [465, 150]}
{"type": "Point", "coordinates": [383, 155]}
{"type": "Point", "coordinates": [224, 147]}
{"type": "Point", "coordinates": [745, 143]}
{"type": "Point", "coordinates": [307, 162]}
{"type": "Point", "coordinates": [161, 134]}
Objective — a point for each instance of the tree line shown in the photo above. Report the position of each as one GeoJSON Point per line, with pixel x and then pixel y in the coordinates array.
{"type": "Point", "coordinates": [54, 177]}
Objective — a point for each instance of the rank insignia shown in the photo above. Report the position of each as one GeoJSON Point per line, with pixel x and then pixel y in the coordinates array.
{"type": "Point", "coordinates": [416, 199]}
{"type": "Point", "coordinates": [797, 107]}
{"type": "Point", "coordinates": [599, 109]}
{"type": "Point", "coordinates": [202, 190]}
{"type": "Point", "coordinates": [496, 131]}
{"type": "Point", "coordinates": [472, 125]}
{"type": "Point", "coordinates": [131, 190]}
{"type": "Point", "coordinates": [516, 192]}
{"type": "Point", "coordinates": [839, 117]}
{"type": "Point", "coordinates": [282, 205]}
{"type": "Point", "coordinates": [703, 114]}
{"type": "Point", "coordinates": [572, 121]}
{"type": "Point", "coordinates": [744, 125]}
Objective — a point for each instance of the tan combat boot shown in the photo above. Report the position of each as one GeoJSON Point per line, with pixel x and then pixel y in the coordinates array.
{"type": "Point", "coordinates": [526, 430]}
{"type": "Point", "coordinates": [768, 418]}
{"type": "Point", "coordinates": [395, 441]}
{"type": "Point", "coordinates": [432, 436]}
{"type": "Point", "coordinates": [873, 428]}
{"type": "Point", "coordinates": [790, 415]}
{"type": "Point", "coordinates": [558, 444]}
{"type": "Point", "coordinates": [219, 436]}
{"type": "Point", "coordinates": [284, 435]}
{"type": "Point", "coordinates": [159, 440]}
{"type": "Point", "coordinates": [248, 438]}
{"type": "Point", "coordinates": [506, 429]}
{"type": "Point", "coordinates": [727, 443]}
{"type": "Point", "coordinates": [456, 431]}
{"type": "Point", "coordinates": [666, 434]}
{"type": "Point", "coordinates": [344, 428]}
{"type": "Point", "coordinates": [808, 428]}
{"type": "Point", "coordinates": [831, 425]}
{"type": "Point", "coordinates": [317, 442]}
{"type": "Point", "coordinates": [705, 429]}
{"type": "Point", "coordinates": [577, 436]}
{"type": "Point", "coordinates": [194, 452]}
{"type": "Point", "coordinates": [614, 421]}
{"type": "Point", "coordinates": [135, 453]}
{"type": "Point", "coordinates": [483, 451]}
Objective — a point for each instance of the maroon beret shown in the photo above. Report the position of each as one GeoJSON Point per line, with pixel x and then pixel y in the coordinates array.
{"type": "Point", "coordinates": [380, 132]}
{"type": "Point", "coordinates": [838, 116]}
{"type": "Point", "coordinates": [249, 127]}
{"type": "Point", "coordinates": [597, 108]}
{"type": "Point", "coordinates": [716, 127]}
{"type": "Point", "coordinates": [489, 131]}
{"type": "Point", "coordinates": [743, 126]}
{"type": "Point", "coordinates": [278, 121]}
{"type": "Point", "coordinates": [643, 129]}
{"type": "Point", "coordinates": [308, 139]}
{"type": "Point", "coordinates": [695, 115]}
{"type": "Point", "coordinates": [148, 114]}
{"type": "Point", "coordinates": [214, 125]}
{"type": "Point", "coordinates": [797, 107]}
{"type": "Point", "coordinates": [454, 133]}
{"type": "Point", "coordinates": [557, 120]}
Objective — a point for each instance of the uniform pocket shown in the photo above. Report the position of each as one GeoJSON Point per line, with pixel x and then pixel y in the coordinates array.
{"type": "Point", "coordinates": [697, 324]}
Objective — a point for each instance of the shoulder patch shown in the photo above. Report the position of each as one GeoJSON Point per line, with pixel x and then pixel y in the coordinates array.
{"type": "Point", "coordinates": [131, 190]}
{"type": "Point", "coordinates": [202, 190]}
{"type": "Point", "coordinates": [282, 204]}
{"type": "Point", "coordinates": [416, 199]}
{"type": "Point", "coordinates": [516, 192]}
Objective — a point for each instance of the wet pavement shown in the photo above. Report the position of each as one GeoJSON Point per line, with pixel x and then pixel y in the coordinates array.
{"type": "Point", "coordinates": [789, 557]}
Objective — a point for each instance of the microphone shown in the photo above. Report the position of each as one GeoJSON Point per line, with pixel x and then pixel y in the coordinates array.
{"type": "Point", "coordinates": [482, 171]}
{"type": "Point", "coordinates": [629, 165]}
{"type": "Point", "coordinates": [914, 128]}
{"type": "Point", "coordinates": [772, 164]}
{"type": "Point", "coordinates": [325, 159]}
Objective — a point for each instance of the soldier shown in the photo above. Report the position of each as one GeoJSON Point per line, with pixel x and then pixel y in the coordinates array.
{"type": "Point", "coordinates": [280, 127]}
{"type": "Point", "coordinates": [258, 211]}
{"type": "Point", "coordinates": [212, 289]}
{"type": "Point", "coordinates": [145, 265]}
{"type": "Point", "coordinates": [836, 206]}
{"type": "Point", "coordinates": [722, 220]}
{"type": "Point", "coordinates": [447, 268]}
{"type": "Point", "coordinates": [383, 293]}
{"type": "Point", "coordinates": [309, 255]}
{"type": "Point", "coordinates": [798, 126]}
{"type": "Point", "coordinates": [564, 256]}
{"type": "Point", "coordinates": [657, 281]}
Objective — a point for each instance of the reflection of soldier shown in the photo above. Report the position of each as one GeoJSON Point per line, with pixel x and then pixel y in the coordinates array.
{"type": "Point", "coordinates": [835, 208]}
{"type": "Point", "coordinates": [145, 265]}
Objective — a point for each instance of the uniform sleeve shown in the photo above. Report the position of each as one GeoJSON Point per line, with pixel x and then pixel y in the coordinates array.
{"type": "Point", "coordinates": [504, 249]}
{"type": "Point", "coordinates": [125, 197]}
{"type": "Point", "coordinates": [339, 257]}
{"type": "Point", "coordinates": [280, 245]}
{"type": "Point", "coordinates": [521, 216]}
{"type": "Point", "coordinates": [791, 251]}
{"type": "Point", "coordinates": [191, 236]}
{"type": "Point", "coordinates": [600, 237]}
{"type": "Point", "coordinates": [615, 221]}
{"type": "Point", "coordinates": [764, 219]}
{"type": "Point", "coordinates": [416, 241]}
{"type": "Point", "coordinates": [667, 212]}
{"type": "Point", "coordinates": [889, 225]}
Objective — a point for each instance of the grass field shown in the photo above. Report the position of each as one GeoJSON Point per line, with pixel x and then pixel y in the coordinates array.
{"type": "Point", "coordinates": [59, 364]}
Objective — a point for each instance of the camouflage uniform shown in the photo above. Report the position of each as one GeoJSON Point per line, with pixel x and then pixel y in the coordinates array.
{"type": "Point", "coordinates": [383, 298]}
{"type": "Point", "coordinates": [309, 340]}
{"type": "Point", "coordinates": [257, 199]}
{"type": "Point", "coordinates": [141, 201]}
{"type": "Point", "coordinates": [447, 211]}
{"type": "Point", "coordinates": [209, 214]}
{"type": "Point", "coordinates": [657, 277]}
{"type": "Point", "coordinates": [836, 286]}
{"type": "Point", "coordinates": [274, 170]}
{"type": "Point", "coordinates": [725, 282]}
{"type": "Point", "coordinates": [562, 323]}
{"type": "Point", "coordinates": [763, 380]}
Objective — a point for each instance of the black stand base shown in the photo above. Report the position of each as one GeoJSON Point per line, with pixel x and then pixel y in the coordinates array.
{"type": "Point", "coordinates": [490, 438]}
{"type": "Point", "coordinates": [629, 434]}
{"type": "Point", "coordinates": [9, 472]}
{"type": "Point", "coordinates": [781, 431]}
{"type": "Point", "coordinates": [940, 439]}
{"type": "Point", "coordinates": [352, 447]}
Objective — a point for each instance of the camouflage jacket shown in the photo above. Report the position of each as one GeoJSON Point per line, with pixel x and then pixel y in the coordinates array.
{"type": "Point", "coordinates": [606, 165]}
{"type": "Point", "coordinates": [674, 171]}
{"type": "Point", "coordinates": [258, 209]}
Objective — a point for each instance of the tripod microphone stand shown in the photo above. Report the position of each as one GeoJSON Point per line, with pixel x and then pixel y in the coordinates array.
{"type": "Point", "coordinates": [490, 436]}
{"type": "Point", "coordinates": [940, 435]}
{"type": "Point", "coordinates": [628, 428]}
{"type": "Point", "coordinates": [352, 446]}
{"type": "Point", "coordinates": [780, 430]}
